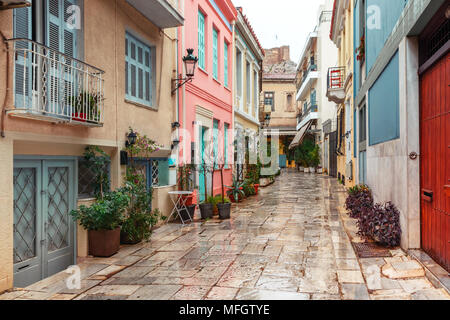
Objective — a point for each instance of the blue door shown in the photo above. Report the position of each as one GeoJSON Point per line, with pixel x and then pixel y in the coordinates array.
{"type": "Point", "coordinates": [44, 232]}
{"type": "Point", "coordinates": [283, 161]}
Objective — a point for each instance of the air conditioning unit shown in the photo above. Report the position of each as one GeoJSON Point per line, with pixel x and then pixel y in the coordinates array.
{"type": "Point", "coordinates": [12, 4]}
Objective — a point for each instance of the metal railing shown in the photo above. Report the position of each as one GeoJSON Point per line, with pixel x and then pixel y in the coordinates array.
{"type": "Point", "coordinates": [50, 84]}
{"type": "Point", "coordinates": [307, 109]}
{"type": "Point", "coordinates": [305, 73]}
{"type": "Point", "coordinates": [336, 78]}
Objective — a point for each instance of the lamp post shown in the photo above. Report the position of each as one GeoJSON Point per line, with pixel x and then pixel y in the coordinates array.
{"type": "Point", "coordinates": [190, 63]}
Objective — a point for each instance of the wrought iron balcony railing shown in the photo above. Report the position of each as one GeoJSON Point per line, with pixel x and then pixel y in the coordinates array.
{"type": "Point", "coordinates": [307, 110]}
{"type": "Point", "coordinates": [336, 78]}
{"type": "Point", "coordinates": [336, 84]}
{"type": "Point", "coordinates": [52, 86]}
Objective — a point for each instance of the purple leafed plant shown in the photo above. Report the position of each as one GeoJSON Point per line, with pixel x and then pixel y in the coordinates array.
{"type": "Point", "coordinates": [359, 200]}
{"type": "Point", "coordinates": [382, 224]}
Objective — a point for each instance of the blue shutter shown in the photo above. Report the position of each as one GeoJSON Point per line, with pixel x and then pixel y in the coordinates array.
{"type": "Point", "coordinates": [201, 40]}
{"type": "Point", "coordinates": [163, 172]}
{"type": "Point", "coordinates": [138, 71]}
{"type": "Point", "coordinates": [216, 141]}
{"type": "Point", "coordinates": [215, 54]}
{"type": "Point", "coordinates": [225, 65]}
{"type": "Point", "coordinates": [22, 85]}
{"type": "Point", "coordinates": [59, 36]}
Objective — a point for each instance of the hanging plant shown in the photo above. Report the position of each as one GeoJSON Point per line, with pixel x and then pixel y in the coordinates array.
{"type": "Point", "coordinates": [361, 50]}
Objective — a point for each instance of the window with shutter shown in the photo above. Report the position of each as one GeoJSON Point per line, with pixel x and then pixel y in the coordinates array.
{"type": "Point", "coordinates": [22, 85]}
{"type": "Point", "coordinates": [225, 64]}
{"type": "Point", "coordinates": [248, 83]}
{"type": "Point", "coordinates": [201, 40]}
{"type": "Point", "coordinates": [60, 36]}
{"type": "Point", "coordinates": [216, 143]}
{"type": "Point", "coordinates": [215, 54]}
{"type": "Point", "coordinates": [139, 73]}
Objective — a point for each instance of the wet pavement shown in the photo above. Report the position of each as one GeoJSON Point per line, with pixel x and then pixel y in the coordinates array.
{"type": "Point", "coordinates": [287, 243]}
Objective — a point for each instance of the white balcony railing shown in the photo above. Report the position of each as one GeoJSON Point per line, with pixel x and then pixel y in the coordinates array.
{"type": "Point", "coordinates": [52, 86]}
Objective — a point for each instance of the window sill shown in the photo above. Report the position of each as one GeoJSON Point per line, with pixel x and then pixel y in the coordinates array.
{"type": "Point", "coordinates": [141, 105]}
{"type": "Point", "coordinates": [217, 81]}
{"type": "Point", "coordinates": [227, 88]}
{"type": "Point", "coordinates": [203, 70]}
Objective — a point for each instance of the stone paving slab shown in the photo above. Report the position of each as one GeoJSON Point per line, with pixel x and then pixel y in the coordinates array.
{"type": "Point", "coordinates": [291, 242]}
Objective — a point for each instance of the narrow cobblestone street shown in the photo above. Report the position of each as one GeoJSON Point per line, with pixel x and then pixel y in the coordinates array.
{"type": "Point", "coordinates": [288, 242]}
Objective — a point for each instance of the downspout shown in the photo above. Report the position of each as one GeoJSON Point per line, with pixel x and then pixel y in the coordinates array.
{"type": "Point", "coordinates": [5, 101]}
{"type": "Point", "coordinates": [233, 91]}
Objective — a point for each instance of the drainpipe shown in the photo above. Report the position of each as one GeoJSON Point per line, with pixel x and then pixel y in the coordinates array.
{"type": "Point", "coordinates": [5, 101]}
{"type": "Point", "coordinates": [233, 82]}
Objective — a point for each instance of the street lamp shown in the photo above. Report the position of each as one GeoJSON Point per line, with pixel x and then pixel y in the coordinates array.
{"type": "Point", "coordinates": [131, 139]}
{"type": "Point", "coordinates": [190, 63]}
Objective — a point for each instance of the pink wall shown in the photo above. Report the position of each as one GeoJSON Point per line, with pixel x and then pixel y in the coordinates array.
{"type": "Point", "coordinates": [204, 90]}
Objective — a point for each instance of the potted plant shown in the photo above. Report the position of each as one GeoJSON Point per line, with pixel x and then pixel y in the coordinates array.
{"type": "Point", "coordinates": [314, 158]}
{"type": "Point", "coordinates": [102, 220]}
{"type": "Point", "coordinates": [236, 190]}
{"type": "Point", "coordinates": [224, 207]}
{"type": "Point", "coordinates": [206, 208]}
{"type": "Point", "coordinates": [140, 218]}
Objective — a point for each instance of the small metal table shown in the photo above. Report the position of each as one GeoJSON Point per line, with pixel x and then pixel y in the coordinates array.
{"type": "Point", "coordinates": [179, 199]}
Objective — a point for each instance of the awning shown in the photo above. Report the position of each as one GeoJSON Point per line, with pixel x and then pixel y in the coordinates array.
{"type": "Point", "coordinates": [300, 136]}
{"type": "Point", "coordinates": [160, 12]}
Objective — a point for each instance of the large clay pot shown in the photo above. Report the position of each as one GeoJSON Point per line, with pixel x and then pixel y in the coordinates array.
{"type": "Point", "coordinates": [206, 210]}
{"type": "Point", "coordinates": [104, 243]}
{"type": "Point", "coordinates": [224, 210]}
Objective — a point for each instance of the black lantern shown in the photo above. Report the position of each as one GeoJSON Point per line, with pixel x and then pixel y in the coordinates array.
{"type": "Point", "coordinates": [131, 139]}
{"type": "Point", "coordinates": [190, 62]}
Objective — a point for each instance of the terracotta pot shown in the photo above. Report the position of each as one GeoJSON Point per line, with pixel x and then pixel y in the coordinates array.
{"type": "Point", "coordinates": [224, 210]}
{"type": "Point", "coordinates": [81, 117]}
{"type": "Point", "coordinates": [104, 243]}
{"type": "Point", "coordinates": [206, 210]}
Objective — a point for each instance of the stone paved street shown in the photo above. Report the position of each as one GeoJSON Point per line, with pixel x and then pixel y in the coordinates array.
{"type": "Point", "coordinates": [289, 242]}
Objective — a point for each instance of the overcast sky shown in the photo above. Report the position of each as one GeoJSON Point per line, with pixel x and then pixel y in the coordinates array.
{"type": "Point", "coordinates": [282, 22]}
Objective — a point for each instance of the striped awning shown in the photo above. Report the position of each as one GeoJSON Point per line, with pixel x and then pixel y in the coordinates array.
{"type": "Point", "coordinates": [300, 136]}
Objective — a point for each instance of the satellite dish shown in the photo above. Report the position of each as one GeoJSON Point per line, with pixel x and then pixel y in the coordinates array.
{"type": "Point", "coordinates": [12, 4]}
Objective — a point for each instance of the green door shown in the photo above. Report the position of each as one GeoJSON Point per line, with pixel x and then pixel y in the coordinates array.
{"type": "Point", "coordinates": [44, 233]}
{"type": "Point", "coordinates": [202, 162]}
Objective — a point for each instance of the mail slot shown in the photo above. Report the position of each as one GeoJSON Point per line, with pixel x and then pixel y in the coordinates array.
{"type": "Point", "coordinates": [427, 195]}
{"type": "Point", "coordinates": [447, 190]}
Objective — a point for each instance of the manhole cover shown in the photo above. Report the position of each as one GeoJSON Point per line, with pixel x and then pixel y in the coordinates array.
{"type": "Point", "coordinates": [370, 250]}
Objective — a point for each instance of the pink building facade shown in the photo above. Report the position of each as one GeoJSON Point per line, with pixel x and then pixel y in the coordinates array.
{"type": "Point", "coordinates": [205, 104]}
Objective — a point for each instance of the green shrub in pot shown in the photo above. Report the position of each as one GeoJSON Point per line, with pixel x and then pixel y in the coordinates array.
{"type": "Point", "coordinates": [103, 220]}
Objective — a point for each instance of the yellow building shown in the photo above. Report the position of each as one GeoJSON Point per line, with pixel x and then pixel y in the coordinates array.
{"type": "Point", "coordinates": [247, 88]}
{"type": "Point", "coordinates": [340, 89]}
{"type": "Point", "coordinates": [116, 59]}
{"type": "Point", "coordinates": [278, 100]}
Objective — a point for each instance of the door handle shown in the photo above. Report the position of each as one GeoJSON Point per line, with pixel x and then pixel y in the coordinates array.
{"type": "Point", "coordinates": [427, 195]}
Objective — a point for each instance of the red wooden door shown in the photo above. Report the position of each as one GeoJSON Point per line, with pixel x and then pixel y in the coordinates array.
{"type": "Point", "coordinates": [435, 161]}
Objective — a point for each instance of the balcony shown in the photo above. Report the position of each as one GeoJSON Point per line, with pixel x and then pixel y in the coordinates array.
{"type": "Point", "coordinates": [336, 85]}
{"type": "Point", "coordinates": [310, 76]}
{"type": "Point", "coordinates": [310, 112]}
{"type": "Point", "coordinates": [159, 12]}
{"type": "Point", "coordinates": [51, 86]}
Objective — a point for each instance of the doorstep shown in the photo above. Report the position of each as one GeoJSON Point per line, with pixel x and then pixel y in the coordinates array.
{"type": "Point", "coordinates": [433, 271]}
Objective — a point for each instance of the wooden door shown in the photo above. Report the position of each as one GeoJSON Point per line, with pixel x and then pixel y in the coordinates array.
{"type": "Point", "coordinates": [435, 161]}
